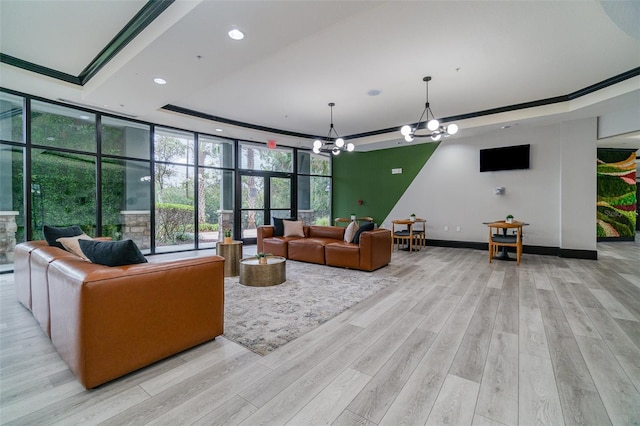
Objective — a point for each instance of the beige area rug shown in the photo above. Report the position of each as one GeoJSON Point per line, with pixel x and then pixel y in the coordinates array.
{"type": "Point", "coordinates": [265, 318]}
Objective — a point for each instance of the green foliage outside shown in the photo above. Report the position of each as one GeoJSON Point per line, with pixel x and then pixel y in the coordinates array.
{"type": "Point", "coordinates": [172, 221]}
{"type": "Point", "coordinates": [63, 190]}
{"type": "Point", "coordinates": [62, 130]}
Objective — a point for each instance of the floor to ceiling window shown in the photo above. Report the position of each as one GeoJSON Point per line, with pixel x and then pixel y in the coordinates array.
{"type": "Point", "coordinates": [126, 181]}
{"type": "Point", "coordinates": [175, 190]}
{"type": "Point", "coordinates": [167, 189]}
{"type": "Point", "coordinates": [314, 188]}
{"type": "Point", "coordinates": [215, 189]}
{"type": "Point", "coordinates": [12, 224]}
{"type": "Point", "coordinates": [63, 168]}
{"type": "Point", "coordinates": [266, 188]}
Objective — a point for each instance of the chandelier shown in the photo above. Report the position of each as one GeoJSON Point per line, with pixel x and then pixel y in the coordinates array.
{"type": "Point", "coordinates": [329, 144]}
{"type": "Point", "coordinates": [435, 130]}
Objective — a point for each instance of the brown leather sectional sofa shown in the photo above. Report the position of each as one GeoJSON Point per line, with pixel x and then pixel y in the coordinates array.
{"type": "Point", "coordinates": [325, 245]}
{"type": "Point", "coordinates": [108, 321]}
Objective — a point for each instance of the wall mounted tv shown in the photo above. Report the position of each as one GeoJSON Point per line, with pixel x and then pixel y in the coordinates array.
{"type": "Point", "coordinates": [504, 158]}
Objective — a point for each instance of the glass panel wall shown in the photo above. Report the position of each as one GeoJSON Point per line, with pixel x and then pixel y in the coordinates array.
{"type": "Point", "coordinates": [173, 146]}
{"type": "Point", "coordinates": [174, 207]}
{"type": "Point", "coordinates": [214, 152]}
{"type": "Point", "coordinates": [252, 204]}
{"type": "Point", "coordinates": [259, 157]}
{"type": "Point", "coordinates": [193, 178]}
{"type": "Point", "coordinates": [11, 113]}
{"type": "Point", "coordinates": [215, 189]}
{"type": "Point", "coordinates": [126, 201]}
{"type": "Point", "coordinates": [126, 184]}
{"type": "Point", "coordinates": [62, 199]}
{"type": "Point", "coordinates": [62, 127]}
{"type": "Point", "coordinates": [175, 190]}
{"type": "Point", "coordinates": [280, 197]}
{"type": "Point", "coordinates": [125, 138]}
{"type": "Point", "coordinates": [314, 188]}
{"type": "Point", "coordinates": [12, 226]}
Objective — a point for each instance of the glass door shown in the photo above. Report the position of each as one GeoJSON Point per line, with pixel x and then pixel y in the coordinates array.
{"type": "Point", "coordinates": [263, 196]}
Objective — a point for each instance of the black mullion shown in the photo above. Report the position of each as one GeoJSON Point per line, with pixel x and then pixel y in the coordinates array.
{"type": "Point", "coordinates": [98, 125]}
{"type": "Point", "coordinates": [294, 185]}
{"type": "Point", "coordinates": [152, 213]}
{"type": "Point", "coordinates": [26, 165]}
{"type": "Point", "coordinates": [196, 189]}
{"type": "Point", "coordinates": [266, 209]}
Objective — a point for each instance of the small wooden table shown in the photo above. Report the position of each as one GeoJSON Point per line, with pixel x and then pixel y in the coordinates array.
{"type": "Point", "coordinates": [501, 224]}
{"type": "Point", "coordinates": [232, 253]}
{"type": "Point", "coordinates": [254, 274]}
{"type": "Point", "coordinates": [410, 234]}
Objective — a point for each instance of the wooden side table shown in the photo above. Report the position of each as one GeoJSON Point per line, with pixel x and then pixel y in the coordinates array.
{"type": "Point", "coordinates": [232, 253]}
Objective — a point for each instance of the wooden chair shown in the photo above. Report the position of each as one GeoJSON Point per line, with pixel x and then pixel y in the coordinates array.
{"type": "Point", "coordinates": [419, 229]}
{"type": "Point", "coordinates": [403, 235]}
{"type": "Point", "coordinates": [499, 238]}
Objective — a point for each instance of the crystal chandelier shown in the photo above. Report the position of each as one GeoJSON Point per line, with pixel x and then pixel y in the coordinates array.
{"type": "Point", "coordinates": [332, 143]}
{"type": "Point", "coordinates": [435, 130]}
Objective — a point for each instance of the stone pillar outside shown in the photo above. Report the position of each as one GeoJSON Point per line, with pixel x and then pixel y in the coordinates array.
{"type": "Point", "coordinates": [307, 217]}
{"type": "Point", "coordinates": [225, 221]}
{"type": "Point", "coordinates": [136, 226]}
{"type": "Point", "coordinates": [8, 228]}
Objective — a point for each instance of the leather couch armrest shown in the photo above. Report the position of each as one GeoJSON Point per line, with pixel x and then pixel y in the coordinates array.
{"type": "Point", "coordinates": [264, 231]}
{"type": "Point", "coordinates": [375, 249]}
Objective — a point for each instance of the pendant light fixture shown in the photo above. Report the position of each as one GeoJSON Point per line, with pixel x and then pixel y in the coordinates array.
{"type": "Point", "coordinates": [435, 130]}
{"type": "Point", "coordinates": [333, 143]}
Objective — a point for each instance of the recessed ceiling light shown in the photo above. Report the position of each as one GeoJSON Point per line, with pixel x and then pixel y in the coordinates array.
{"type": "Point", "coordinates": [218, 130]}
{"type": "Point", "coordinates": [236, 34]}
{"type": "Point", "coordinates": [159, 80]}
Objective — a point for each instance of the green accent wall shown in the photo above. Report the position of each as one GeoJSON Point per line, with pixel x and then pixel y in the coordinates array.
{"type": "Point", "coordinates": [367, 176]}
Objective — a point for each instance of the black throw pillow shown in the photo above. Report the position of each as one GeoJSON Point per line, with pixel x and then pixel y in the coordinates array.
{"type": "Point", "coordinates": [366, 227]}
{"type": "Point", "coordinates": [279, 226]}
{"type": "Point", "coordinates": [51, 234]}
{"type": "Point", "coordinates": [112, 253]}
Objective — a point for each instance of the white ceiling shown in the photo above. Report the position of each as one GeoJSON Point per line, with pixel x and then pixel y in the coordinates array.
{"type": "Point", "coordinates": [298, 56]}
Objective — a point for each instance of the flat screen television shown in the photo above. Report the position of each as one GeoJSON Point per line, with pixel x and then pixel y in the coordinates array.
{"type": "Point", "coordinates": [505, 158]}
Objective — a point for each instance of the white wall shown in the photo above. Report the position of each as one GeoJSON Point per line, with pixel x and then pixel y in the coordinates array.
{"type": "Point", "coordinates": [556, 196]}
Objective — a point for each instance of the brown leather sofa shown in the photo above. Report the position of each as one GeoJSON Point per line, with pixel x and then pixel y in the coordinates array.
{"type": "Point", "coordinates": [325, 245]}
{"type": "Point", "coordinates": [108, 321]}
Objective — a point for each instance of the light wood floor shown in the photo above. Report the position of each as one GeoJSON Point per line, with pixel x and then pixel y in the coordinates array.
{"type": "Point", "coordinates": [455, 341]}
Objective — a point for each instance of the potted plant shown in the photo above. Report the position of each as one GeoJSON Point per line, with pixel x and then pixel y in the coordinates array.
{"type": "Point", "coordinates": [227, 236]}
{"type": "Point", "coordinates": [353, 216]}
{"type": "Point", "coordinates": [412, 218]}
{"type": "Point", "coordinates": [262, 258]}
{"type": "Point", "coordinates": [509, 218]}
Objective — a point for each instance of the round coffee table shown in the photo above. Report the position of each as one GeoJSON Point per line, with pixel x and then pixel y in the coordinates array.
{"type": "Point", "coordinates": [254, 274]}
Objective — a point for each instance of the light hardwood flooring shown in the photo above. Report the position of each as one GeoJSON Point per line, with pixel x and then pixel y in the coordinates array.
{"type": "Point", "coordinates": [454, 341]}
